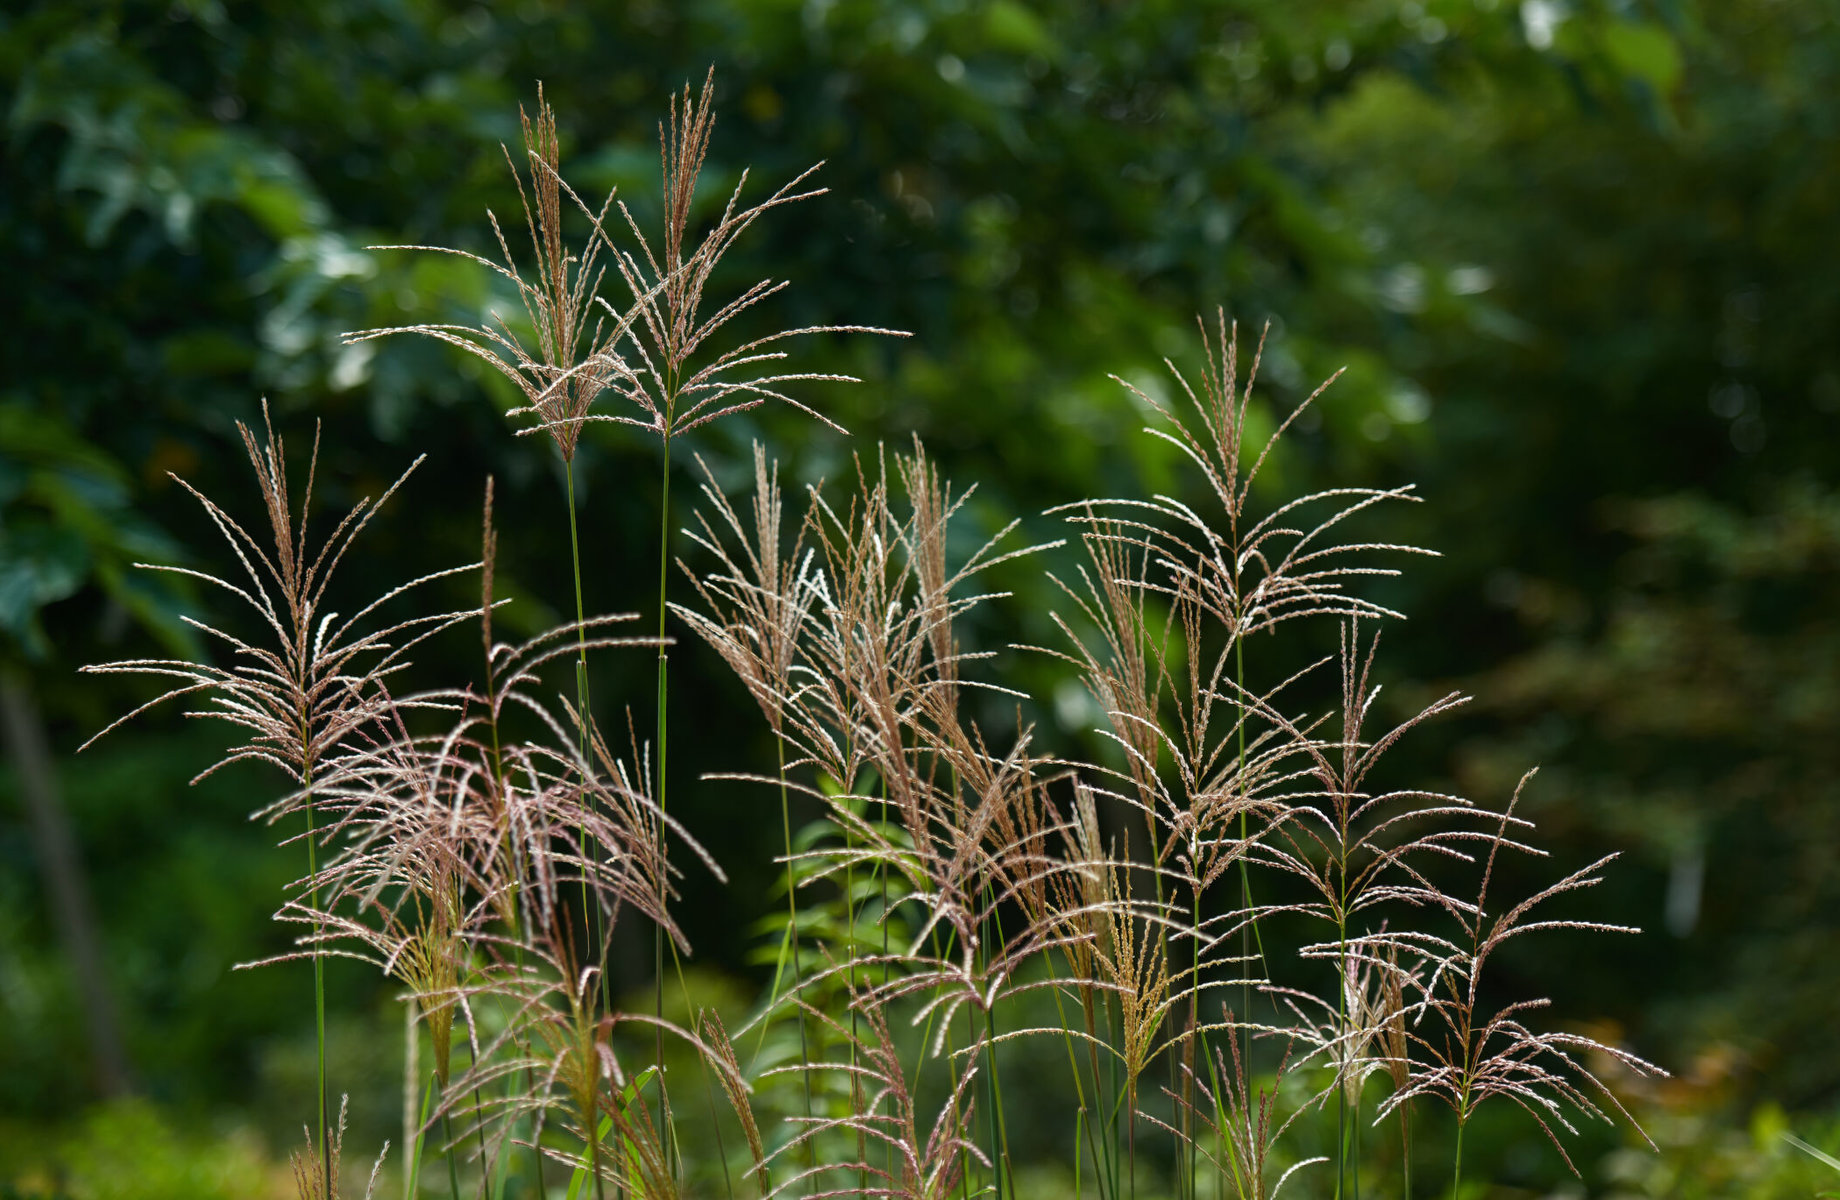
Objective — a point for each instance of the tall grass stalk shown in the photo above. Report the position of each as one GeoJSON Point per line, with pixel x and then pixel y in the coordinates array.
{"type": "Point", "coordinates": [583, 700]}
{"type": "Point", "coordinates": [664, 552]}
{"type": "Point", "coordinates": [1456, 1162]}
{"type": "Point", "coordinates": [319, 968]}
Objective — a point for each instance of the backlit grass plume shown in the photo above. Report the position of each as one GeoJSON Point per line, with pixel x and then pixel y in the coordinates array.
{"type": "Point", "coordinates": [314, 678]}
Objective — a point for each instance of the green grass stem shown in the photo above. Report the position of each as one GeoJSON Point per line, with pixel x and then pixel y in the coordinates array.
{"type": "Point", "coordinates": [664, 558]}
{"type": "Point", "coordinates": [319, 965]}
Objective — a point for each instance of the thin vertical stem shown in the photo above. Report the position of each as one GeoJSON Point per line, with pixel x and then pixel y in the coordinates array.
{"type": "Point", "coordinates": [1250, 927]}
{"type": "Point", "coordinates": [319, 968]}
{"type": "Point", "coordinates": [881, 871]}
{"type": "Point", "coordinates": [514, 864]}
{"type": "Point", "coordinates": [1196, 1040]}
{"type": "Point", "coordinates": [1081, 1123]}
{"type": "Point", "coordinates": [594, 1150]}
{"type": "Point", "coordinates": [849, 933]}
{"type": "Point", "coordinates": [999, 1132]}
{"type": "Point", "coordinates": [1345, 1033]}
{"type": "Point", "coordinates": [664, 557]}
{"type": "Point", "coordinates": [1456, 1176]}
{"type": "Point", "coordinates": [412, 1184]}
{"type": "Point", "coordinates": [1354, 1136]}
{"type": "Point", "coordinates": [1107, 1168]}
{"type": "Point", "coordinates": [582, 700]}
{"type": "Point", "coordinates": [447, 1135]}
{"type": "Point", "coordinates": [1115, 1095]}
{"type": "Point", "coordinates": [792, 933]}
{"type": "Point", "coordinates": [1405, 1147]}
{"type": "Point", "coordinates": [1341, 1136]}
{"type": "Point", "coordinates": [581, 633]}
{"type": "Point", "coordinates": [971, 1037]}
{"type": "Point", "coordinates": [411, 1076]}
{"type": "Point", "coordinates": [1130, 1119]}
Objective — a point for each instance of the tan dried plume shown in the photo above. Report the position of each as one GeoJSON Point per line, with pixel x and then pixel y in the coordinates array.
{"type": "Point", "coordinates": [1243, 1124]}
{"type": "Point", "coordinates": [1169, 686]}
{"type": "Point", "coordinates": [929, 1158]}
{"type": "Point", "coordinates": [757, 600]}
{"type": "Point", "coordinates": [316, 1177]}
{"type": "Point", "coordinates": [1474, 1056]}
{"type": "Point", "coordinates": [664, 365]}
{"type": "Point", "coordinates": [569, 366]}
{"type": "Point", "coordinates": [321, 675]}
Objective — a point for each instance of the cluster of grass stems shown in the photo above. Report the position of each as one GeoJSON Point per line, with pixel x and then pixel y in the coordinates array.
{"type": "Point", "coordinates": [1228, 922]}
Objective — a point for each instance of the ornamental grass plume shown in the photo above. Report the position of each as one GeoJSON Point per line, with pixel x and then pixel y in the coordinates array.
{"type": "Point", "coordinates": [401, 894]}
{"type": "Point", "coordinates": [666, 367]}
{"type": "Point", "coordinates": [1251, 574]}
{"type": "Point", "coordinates": [864, 688]}
{"type": "Point", "coordinates": [757, 600]}
{"type": "Point", "coordinates": [923, 1160]}
{"type": "Point", "coordinates": [1133, 963]}
{"type": "Point", "coordinates": [1175, 688]}
{"type": "Point", "coordinates": [322, 677]}
{"type": "Point", "coordinates": [881, 678]}
{"type": "Point", "coordinates": [316, 1176]}
{"type": "Point", "coordinates": [567, 368]}
{"type": "Point", "coordinates": [546, 828]}
{"type": "Point", "coordinates": [319, 679]}
{"type": "Point", "coordinates": [714, 1036]}
{"type": "Point", "coordinates": [1243, 1125]}
{"type": "Point", "coordinates": [1472, 1055]}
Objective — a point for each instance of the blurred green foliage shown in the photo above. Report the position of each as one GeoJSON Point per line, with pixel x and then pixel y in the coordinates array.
{"type": "Point", "coordinates": [1577, 259]}
{"type": "Point", "coordinates": [128, 1150]}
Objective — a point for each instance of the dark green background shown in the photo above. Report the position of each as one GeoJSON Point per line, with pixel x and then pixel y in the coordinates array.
{"type": "Point", "coordinates": [1581, 262]}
